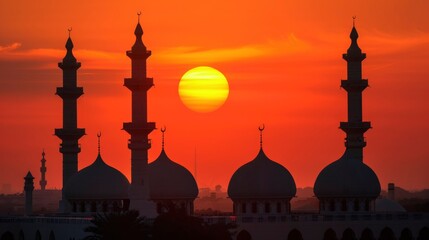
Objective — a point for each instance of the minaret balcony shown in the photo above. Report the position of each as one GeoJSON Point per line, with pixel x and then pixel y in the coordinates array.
{"type": "Point", "coordinates": [139, 144]}
{"type": "Point", "coordinates": [68, 148]}
{"type": "Point", "coordinates": [354, 86]}
{"type": "Point", "coordinates": [358, 127]}
{"type": "Point", "coordinates": [139, 128]}
{"type": "Point", "coordinates": [133, 84]}
{"type": "Point", "coordinates": [354, 57]}
{"type": "Point", "coordinates": [69, 65]}
{"type": "Point", "coordinates": [69, 92]}
{"type": "Point", "coordinates": [139, 54]}
{"type": "Point", "coordinates": [69, 134]}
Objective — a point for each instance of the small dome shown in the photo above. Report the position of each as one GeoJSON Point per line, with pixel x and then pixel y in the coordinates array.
{"type": "Point", "coordinates": [97, 181]}
{"type": "Point", "coordinates": [347, 178]}
{"type": "Point", "coordinates": [169, 180]}
{"type": "Point", "coordinates": [388, 205]}
{"type": "Point", "coordinates": [261, 178]}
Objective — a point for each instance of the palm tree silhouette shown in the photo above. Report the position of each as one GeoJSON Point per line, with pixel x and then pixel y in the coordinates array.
{"type": "Point", "coordinates": [118, 225]}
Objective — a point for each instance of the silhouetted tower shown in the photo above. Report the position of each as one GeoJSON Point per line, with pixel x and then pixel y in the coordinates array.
{"type": "Point", "coordinates": [139, 127]}
{"type": "Point", "coordinates": [348, 184]}
{"type": "Point", "coordinates": [28, 189]}
{"type": "Point", "coordinates": [43, 181]}
{"type": "Point", "coordinates": [354, 85]}
{"type": "Point", "coordinates": [69, 134]}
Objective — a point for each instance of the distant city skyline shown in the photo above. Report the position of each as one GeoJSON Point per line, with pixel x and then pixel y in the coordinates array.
{"type": "Point", "coordinates": [283, 66]}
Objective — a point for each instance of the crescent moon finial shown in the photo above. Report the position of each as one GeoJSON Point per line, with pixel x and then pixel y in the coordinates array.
{"type": "Point", "coordinates": [99, 136]}
{"type": "Point", "coordinates": [138, 15]}
{"type": "Point", "coordinates": [163, 132]}
{"type": "Point", "coordinates": [261, 129]}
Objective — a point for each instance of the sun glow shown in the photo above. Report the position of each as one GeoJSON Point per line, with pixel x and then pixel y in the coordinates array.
{"type": "Point", "coordinates": [203, 89]}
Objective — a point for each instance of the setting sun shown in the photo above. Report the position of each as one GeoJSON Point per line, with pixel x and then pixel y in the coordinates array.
{"type": "Point", "coordinates": [203, 89]}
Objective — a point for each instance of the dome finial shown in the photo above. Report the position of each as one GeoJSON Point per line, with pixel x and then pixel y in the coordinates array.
{"type": "Point", "coordinates": [69, 29]}
{"type": "Point", "coordinates": [163, 132]}
{"type": "Point", "coordinates": [354, 18]}
{"type": "Point", "coordinates": [43, 153]}
{"type": "Point", "coordinates": [138, 16]}
{"type": "Point", "coordinates": [99, 137]}
{"type": "Point", "coordinates": [261, 129]}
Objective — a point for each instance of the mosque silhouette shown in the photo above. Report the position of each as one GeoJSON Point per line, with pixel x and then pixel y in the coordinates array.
{"type": "Point", "coordinates": [348, 190]}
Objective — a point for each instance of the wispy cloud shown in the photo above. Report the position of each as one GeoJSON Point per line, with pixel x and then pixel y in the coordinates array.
{"type": "Point", "coordinates": [375, 42]}
{"type": "Point", "coordinates": [385, 43]}
{"type": "Point", "coordinates": [91, 59]}
{"type": "Point", "coordinates": [95, 59]}
{"type": "Point", "coordinates": [192, 54]}
{"type": "Point", "coordinates": [291, 45]}
{"type": "Point", "coordinates": [10, 47]}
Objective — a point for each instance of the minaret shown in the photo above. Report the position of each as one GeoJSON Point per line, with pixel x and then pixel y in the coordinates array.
{"type": "Point", "coordinates": [43, 181]}
{"type": "Point", "coordinates": [69, 134]}
{"type": "Point", "coordinates": [139, 127]}
{"type": "Point", "coordinates": [354, 85]}
{"type": "Point", "coordinates": [348, 184]}
{"type": "Point", "coordinates": [28, 189]}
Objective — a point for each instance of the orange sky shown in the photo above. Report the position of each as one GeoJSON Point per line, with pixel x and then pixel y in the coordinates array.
{"type": "Point", "coordinates": [283, 63]}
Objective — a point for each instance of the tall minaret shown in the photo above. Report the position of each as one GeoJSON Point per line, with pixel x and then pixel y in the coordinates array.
{"type": "Point", "coordinates": [69, 134]}
{"type": "Point", "coordinates": [43, 181]}
{"type": "Point", "coordinates": [28, 189]}
{"type": "Point", "coordinates": [354, 85]}
{"type": "Point", "coordinates": [139, 127]}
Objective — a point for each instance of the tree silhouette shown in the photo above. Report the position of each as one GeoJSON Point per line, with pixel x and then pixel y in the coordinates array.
{"type": "Point", "coordinates": [118, 225]}
{"type": "Point", "coordinates": [172, 225]}
{"type": "Point", "coordinates": [180, 226]}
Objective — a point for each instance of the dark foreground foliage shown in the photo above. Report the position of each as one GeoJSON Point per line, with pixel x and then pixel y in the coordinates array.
{"type": "Point", "coordinates": [174, 225]}
{"type": "Point", "coordinates": [119, 225]}
{"type": "Point", "coordinates": [180, 226]}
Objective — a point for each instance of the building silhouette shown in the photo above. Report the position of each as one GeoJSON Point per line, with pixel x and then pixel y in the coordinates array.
{"type": "Point", "coordinates": [348, 190]}
{"type": "Point", "coordinates": [69, 133]}
{"type": "Point", "coordinates": [139, 128]}
{"type": "Point", "coordinates": [348, 184]}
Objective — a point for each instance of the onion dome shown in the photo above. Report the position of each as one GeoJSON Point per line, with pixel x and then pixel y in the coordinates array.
{"type": "Point", "coordinates": [97, 181]}
{"type": "Point", "coordinates": [169, 180]}
{"type": "Point", "coordinates": [261, 178]}
{"type": "Point", "coordinates": [347, 177]}
{"type": "Point", "coordinates": [388, 205]}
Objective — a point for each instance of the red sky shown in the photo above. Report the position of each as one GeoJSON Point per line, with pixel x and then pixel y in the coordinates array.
{"type": "Point", "coordinates": [283, 63]}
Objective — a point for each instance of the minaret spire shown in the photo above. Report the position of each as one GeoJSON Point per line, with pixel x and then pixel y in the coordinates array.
{"type": "Point", "coordinates": [354, 85]}
{"type": "Point", "coordinates": [43, 181]}
{"type": "Point", "coordinates": [261, 129]}
{"type": "Point", "coordinates": [99, 140]}
{"type": "Point", "coordinates": [163, 129]}
{"type": "Point", "coordinates": [69, 133]}
{"type": "Point", "coordinates": [28, 190]}
{"type": "Point", "coordinates": [138, 32]}
{"type": "Point", "coordinates": [139, 128]}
